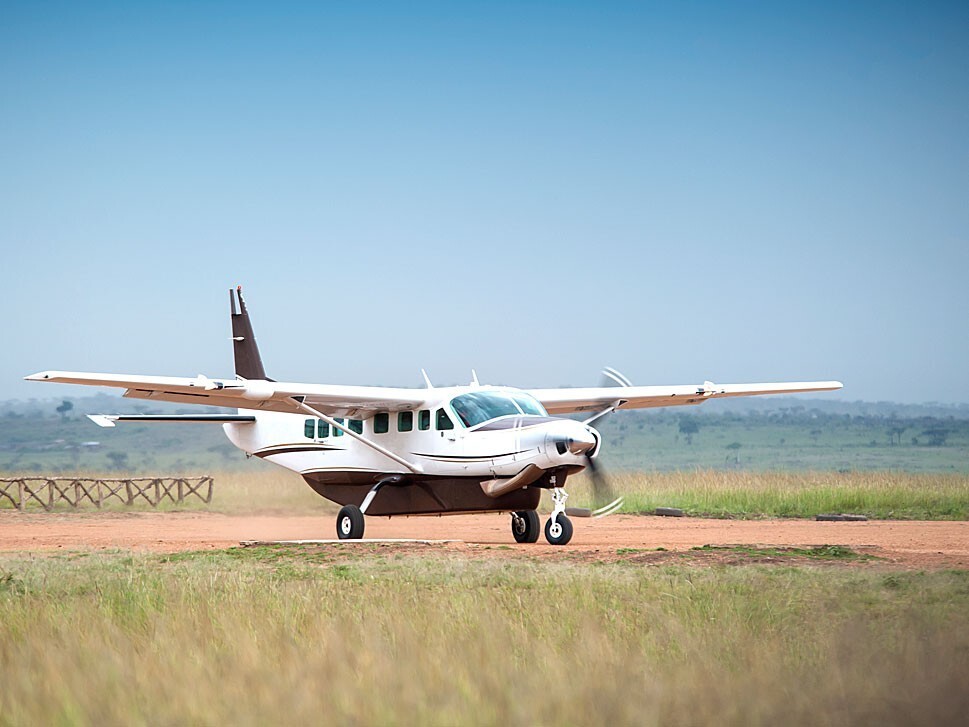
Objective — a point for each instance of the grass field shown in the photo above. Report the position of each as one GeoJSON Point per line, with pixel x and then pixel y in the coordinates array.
{"type": "Point", "coordinates": [258, 636]}
{"type": "Point", "coordinates": [712, 493]}
{"type": "Point", "coordinates": [357, 635]}
{"type": "Point", "coordinates": [709, 493]}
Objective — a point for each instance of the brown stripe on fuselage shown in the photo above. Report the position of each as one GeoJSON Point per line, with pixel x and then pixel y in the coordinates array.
{"type": "Point", "coordinates": [287, 448]}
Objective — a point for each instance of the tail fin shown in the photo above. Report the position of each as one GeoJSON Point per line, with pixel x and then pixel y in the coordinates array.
{"type": "Point", "coordinates": [248, 361]}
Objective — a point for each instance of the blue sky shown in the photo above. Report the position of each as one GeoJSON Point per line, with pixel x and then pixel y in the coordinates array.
{"type": "Point", "coordinates": [683, 191]}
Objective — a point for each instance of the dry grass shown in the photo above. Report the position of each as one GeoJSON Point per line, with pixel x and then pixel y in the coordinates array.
{"type": "Point", "coordinates": [899, 495]}
{"type": "Point", "coordinates": [702, 492]}
{"type": "Point", "coordinates": [278, 490]}
{"type": "Point", "coordinates": [265, 635]}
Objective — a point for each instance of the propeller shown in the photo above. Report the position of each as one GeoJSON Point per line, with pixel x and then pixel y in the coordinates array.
{"type": "Point", "coordinates": [603, 496]}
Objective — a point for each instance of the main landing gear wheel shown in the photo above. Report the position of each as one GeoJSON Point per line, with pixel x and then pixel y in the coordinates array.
{"type": "Point", "coordinates": [558, 529]}
{"type": "Point", "coordinates": [349, 523]}
{"type": "Point", "coordinates": [525, 526]}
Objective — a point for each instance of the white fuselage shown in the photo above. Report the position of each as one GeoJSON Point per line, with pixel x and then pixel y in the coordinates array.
{"type": "Point", "coordinates": [497, 448]}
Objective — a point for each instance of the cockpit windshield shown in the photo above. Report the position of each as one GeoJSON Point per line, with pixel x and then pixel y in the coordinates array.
{"type": "Point", "coordinates": [482, 406]}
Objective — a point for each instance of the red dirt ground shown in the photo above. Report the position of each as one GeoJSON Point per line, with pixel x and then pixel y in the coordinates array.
{"type": "Point", "coordinates": [907, 544]}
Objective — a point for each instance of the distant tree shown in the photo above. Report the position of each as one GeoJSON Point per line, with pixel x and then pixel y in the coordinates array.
{"type": "Point", "coordinates": [936, 435]}
{"type": "Point", "coordinates": [735, 448]}
{"type": "Point", "coordinates": [895, 433]}
{"type": "Point", "coordinates": [119, 460]}
{"type": "Point", "coordinates": [689, 427]}
{"type": "Point", "coordinates": [64, 408]}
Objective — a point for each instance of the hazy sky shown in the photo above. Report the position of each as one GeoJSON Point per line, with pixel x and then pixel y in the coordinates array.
{"type": "Point", "coordinates": [684, 191]}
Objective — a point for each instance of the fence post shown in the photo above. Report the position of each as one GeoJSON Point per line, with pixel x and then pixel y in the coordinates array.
{"type": "Point", "coordinates": [20, 495]}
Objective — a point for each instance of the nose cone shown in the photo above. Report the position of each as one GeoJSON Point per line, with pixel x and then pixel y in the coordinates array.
{"type": "Point", "coordinates": [571, 437]}
{"type": "Point", "coordinates": [581, 442]}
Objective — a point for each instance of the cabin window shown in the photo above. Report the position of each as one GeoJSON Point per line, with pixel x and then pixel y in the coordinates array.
{"type": "Point", "coordinates": [338, 432]}
{"type": "Point", "coordinates": [381, 422]}
{"type": "Point", "coordinates": [443, 420]}
{"type": "Point", "coordinates": [322, 429]}
{"type": "Point", "coordinates": [529, 405]}
{"type": "Point", "coordinates": [356, 425]}
{"type": "Point", "coordinates": [424, 419]}
{"type": "Point", "coordinates": [405, 421]}
{"type": "Point", "coordinates": [478, 407]}
{"type": "Point", "coordinates": [309, 428]}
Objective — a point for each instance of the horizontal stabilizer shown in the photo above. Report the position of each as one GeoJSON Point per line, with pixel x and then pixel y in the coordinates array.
{"type": "Point", "coordinates": [108, 420]}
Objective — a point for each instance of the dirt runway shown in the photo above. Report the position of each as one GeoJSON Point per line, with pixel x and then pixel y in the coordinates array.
{"type": "Point", "coordinates": [905, 543]}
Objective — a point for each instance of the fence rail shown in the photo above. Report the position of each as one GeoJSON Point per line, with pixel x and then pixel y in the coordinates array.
{"type": "Point", "coordinates": [49, 491]}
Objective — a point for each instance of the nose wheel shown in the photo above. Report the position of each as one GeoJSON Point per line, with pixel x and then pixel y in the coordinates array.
{"type": "Point", "coordinates": [525, 526]}
{"type": "Point", "coordinates": [558, 529]}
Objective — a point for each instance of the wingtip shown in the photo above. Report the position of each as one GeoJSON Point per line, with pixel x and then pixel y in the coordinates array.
{"type": "Point", "coordinates": [39, 376]}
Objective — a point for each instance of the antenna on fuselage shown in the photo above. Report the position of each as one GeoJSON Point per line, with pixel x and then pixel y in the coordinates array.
{"type": "Point", "coordinates": [426, 379]}
{"type": "Point", "coordinates": [474, 378]}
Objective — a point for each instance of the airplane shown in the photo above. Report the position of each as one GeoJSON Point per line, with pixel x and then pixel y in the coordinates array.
{"type": "Point", "coordinates": [385, 451]}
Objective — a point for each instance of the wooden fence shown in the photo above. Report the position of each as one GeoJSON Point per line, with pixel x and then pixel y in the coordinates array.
{"type": "Point", "coordinates": [49, 491]}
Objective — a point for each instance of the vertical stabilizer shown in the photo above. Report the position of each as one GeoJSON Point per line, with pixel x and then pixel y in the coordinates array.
{"type": "Point", "coordinates": [248, 360]}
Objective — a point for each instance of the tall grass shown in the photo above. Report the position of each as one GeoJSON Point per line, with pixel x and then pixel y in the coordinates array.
{"type": "Point", "coordinates": [701, 492]}
{"type": "Point", "coordinates": [899, 495]}
{"type": "Point", "coordinates": [264, 636]}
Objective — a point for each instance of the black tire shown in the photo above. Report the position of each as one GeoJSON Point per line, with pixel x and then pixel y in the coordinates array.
{"type": "Point", "coordinates": [668, 511]}
{"type": "Point", "coordinates": [349, 523]}
{"type": "Point", "coordinates": [526, 526]}
{"type": "Point", "coordinates": [561, 534]}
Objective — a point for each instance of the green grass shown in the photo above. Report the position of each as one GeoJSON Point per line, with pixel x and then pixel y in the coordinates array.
{"type": "Point", "coordinates": [817, 552]}
{"type": "Point", "coordinates": [344, 636]}
{"type": "Point", "coordinates": [787, 441]}
{"type": "Point", "coordinates": [707, 493]}
{"type": "Point", "coordinates": [711, 493]}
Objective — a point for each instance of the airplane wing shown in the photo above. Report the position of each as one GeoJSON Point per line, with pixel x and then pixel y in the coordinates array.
{"type": "Point", "coordinates": [340, 401]}
{"type": "Point", "coordinates": [564, 401]}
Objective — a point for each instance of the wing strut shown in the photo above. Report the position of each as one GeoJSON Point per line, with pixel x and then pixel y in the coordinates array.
{"type": "Point", "coordinates": [412, 466]}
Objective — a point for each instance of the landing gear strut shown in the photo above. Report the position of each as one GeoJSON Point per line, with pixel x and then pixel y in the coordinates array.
{"type": "Point", "coordinates": [525, 526]}
{"type": "Point", "coordinates": [349, 522]}
{"type": "Point", "coordinates": [558, 529]}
